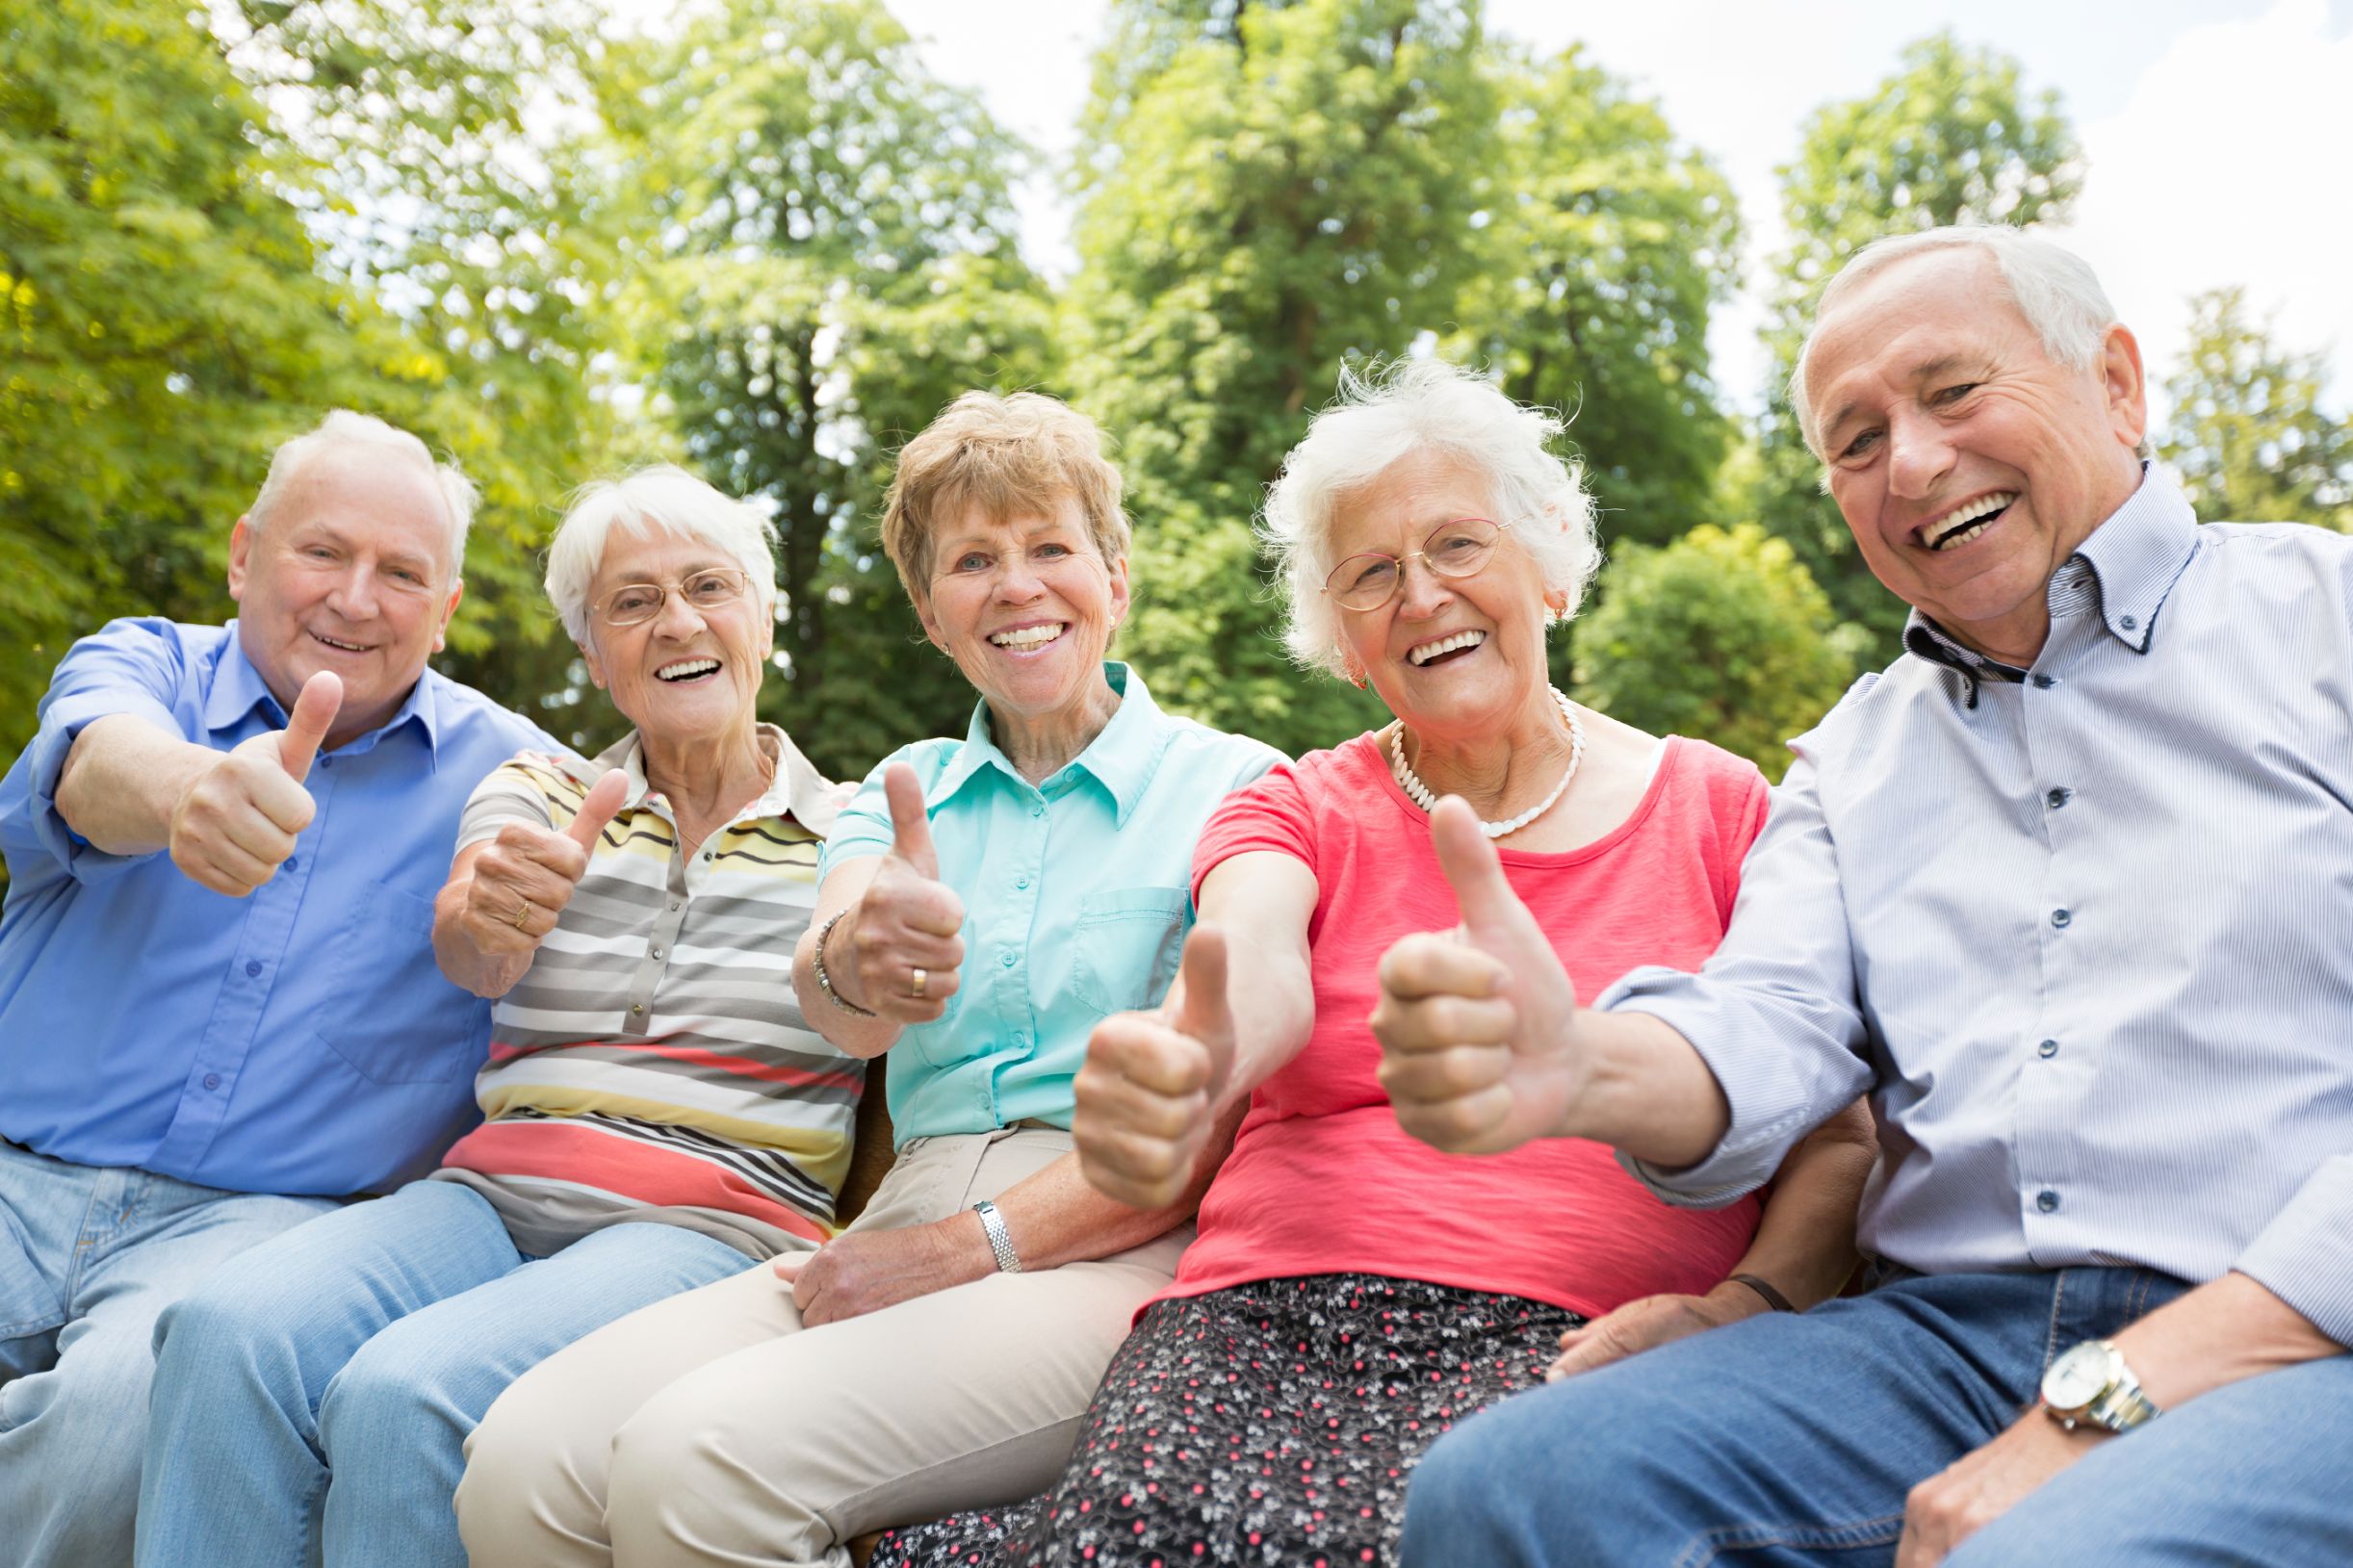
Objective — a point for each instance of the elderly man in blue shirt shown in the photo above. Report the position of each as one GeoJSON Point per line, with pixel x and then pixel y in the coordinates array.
{"type": "Point", "coordinates": [218, 1007]}
{"type": "Point", "coordinates": [2067, 890]}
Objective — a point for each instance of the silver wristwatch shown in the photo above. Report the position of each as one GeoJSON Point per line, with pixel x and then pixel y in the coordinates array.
{"type": "Point", "coordinates": [1000, 1241]}
{"type": "Point", "coordinates": [2090, 1385]}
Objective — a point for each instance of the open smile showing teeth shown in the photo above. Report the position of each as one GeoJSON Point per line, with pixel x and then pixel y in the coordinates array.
{"type": "Point", "coordinates": [687, 669]}
{"type": "Point", "coordinates": [1966, 521]}
{"type": "Point", "coordinates": [1430, 652]}
{"type": "Point", "coordinates": [1024, 639]}
{"type": "Point", "coordinates": [341, 647]}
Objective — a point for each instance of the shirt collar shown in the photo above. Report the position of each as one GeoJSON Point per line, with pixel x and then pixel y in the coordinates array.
{"type": "Point", "coordinates": [238, 690]}
{"type": "Point", "coordinates": [1121, 757]}
{"type": "Point", "coordinates": [797, 789]}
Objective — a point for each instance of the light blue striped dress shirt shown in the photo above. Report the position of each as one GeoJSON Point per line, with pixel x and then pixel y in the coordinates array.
{"type": "Point", "coordinates": [2085, 936]}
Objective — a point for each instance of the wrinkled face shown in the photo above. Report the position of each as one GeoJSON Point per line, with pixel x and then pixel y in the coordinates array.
{"type": "Point", "coordinates": [350, 573]}
{"type": "Point", "coordinates": [1025, 605]}
{"type": "Point", "coordinates": [1969, 465]}
{"type": "Point", "coordinates": [692, 673]}
{"type": "Point", "coordinates": [1447, 654]}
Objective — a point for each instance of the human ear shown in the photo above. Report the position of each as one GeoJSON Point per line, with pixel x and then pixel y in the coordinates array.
{"type": "Point", "coordinates": [2125, 385]}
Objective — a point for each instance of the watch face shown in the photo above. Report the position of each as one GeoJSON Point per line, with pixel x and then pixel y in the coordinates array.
{"type": "Point", "coordinates": [2078, 1377]}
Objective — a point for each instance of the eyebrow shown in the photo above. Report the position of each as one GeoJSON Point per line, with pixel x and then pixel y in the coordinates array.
{"type": "Point", "coordinates": [1927, 370]}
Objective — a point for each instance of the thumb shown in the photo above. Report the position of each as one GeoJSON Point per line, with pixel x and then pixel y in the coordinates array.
{"type": "Point", "coordinates": [1203, 1012]}
{"type": "Point", "coordinates": [1491, 911]}
{"type": "Point", "coordinates": [604, 799]}
{"type": "Point", "coordinates": [314, 712]}
{"type": "Point", "coordinates": [910, 823]}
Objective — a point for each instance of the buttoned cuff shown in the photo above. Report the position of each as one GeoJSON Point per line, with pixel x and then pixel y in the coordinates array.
{"type": "Point", "coordinates": [61, 725]}
{"type": "Point", "coordinates": [1774, 1099]}
{"type": "Point", "coordinates": [2304, 1255]}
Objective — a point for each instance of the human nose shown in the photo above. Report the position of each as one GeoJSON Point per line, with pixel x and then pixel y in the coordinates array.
{"type": "Point", "coordinates": [353, 595]}
{"type": "Point", "coordinates": [1420, 590]}
{"type": "Point", "coordinates": [1017, 579]}
{"type": "Point", "coordinates": [1919, 454]}
{"type": "Point", "coordinates": [674, 618]}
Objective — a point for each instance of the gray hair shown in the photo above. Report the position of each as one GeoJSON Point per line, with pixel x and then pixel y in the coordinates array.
{"type": "Point", "coordinates": [664, 498]}
{"type": "Point", "coordinates": [342, 430]}
{"type": "Point", "coordinates": [2054, 290]}
{"type": "Point", "coordinates": [1382, 416]}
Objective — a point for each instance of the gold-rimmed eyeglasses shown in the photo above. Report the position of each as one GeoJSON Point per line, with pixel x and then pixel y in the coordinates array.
{"type": "Point", "coordinates": [633, 604]}
{"type": "Point", "coordinates": [1457, 548]}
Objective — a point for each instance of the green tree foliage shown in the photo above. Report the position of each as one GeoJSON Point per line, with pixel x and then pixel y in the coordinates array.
{"type": "Point", "coordinates": [818, 242]}
{"type": "Point", "coordinates": [2249, 436]}
{"type": "Point", "coordinates": [1954, 137]}
{"type": "Point", "coordinates": [1722, 635]}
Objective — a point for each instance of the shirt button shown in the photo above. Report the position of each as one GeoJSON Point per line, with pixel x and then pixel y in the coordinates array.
{"type": "Point", "coordinates": [1037, 810]}
{"type": "Point", "coordinates": [658, 952]}
{"type": "Point", "coordinates": [2058, 798]}
{"type": "Point", "coordinates": [2060, 918]}
{"type": "Point", "coordinates": [1021, 882]}
{"type": "Point", "coordinates": [212, 1080]}
{"type": "Point", "coordinates": [2047, 1200]}
{"type": "Point", "coordinates": [292, 862]}
{"type": "Point", "coordinates": [2043, 682]}
{"type": "Point", "coordinates": [326, 762]}
{"type": "Point", "coordinates": [636, 1007]}
{"type": "Point", "coordinates": [2127, 623]}
{"type": "Point", "coordinates": [1006, 959]}
{"type": "Point", "coordinates": [2047, 1049]}
{"type": "Point", "coordinates": [674, 902]}
{"type": "Point", "coordinates": [253, 968]}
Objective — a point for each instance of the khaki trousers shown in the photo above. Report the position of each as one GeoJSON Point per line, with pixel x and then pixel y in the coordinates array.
{"type": "Point", "coordinates": [714, 1429]}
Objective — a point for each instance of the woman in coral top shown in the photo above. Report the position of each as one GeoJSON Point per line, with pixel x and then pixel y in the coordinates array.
{"type": "Point", "coordinates": [1353, 1292]}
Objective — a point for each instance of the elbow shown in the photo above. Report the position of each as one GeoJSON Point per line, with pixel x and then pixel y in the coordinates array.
{"type": "Point", "coordinates": [1852, 1128]}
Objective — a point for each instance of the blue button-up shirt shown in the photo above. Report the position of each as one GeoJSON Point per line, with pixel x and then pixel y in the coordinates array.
{"type": "Point", "coordinates": [2084, 931]}
{"type": "Point", "coordinates": [299, 1039]}
{"type": "Point", "coordinates": [1076, 898]}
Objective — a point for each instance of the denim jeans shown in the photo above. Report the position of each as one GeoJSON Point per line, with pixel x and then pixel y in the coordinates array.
{"type": "Point", "coordinates": [89, 1255]}
{"type": "Point", "coordinates": [1793, 1440]}
{"type": "Point", "coordinates": [313, 1402]}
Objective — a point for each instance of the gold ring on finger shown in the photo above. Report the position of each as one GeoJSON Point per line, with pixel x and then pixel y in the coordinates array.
{"type": "Point", "coordinates": [523, 914]}
{"type": "Point", "coordinates": [918, 979]}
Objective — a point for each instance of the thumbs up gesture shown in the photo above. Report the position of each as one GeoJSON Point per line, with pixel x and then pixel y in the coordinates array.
{"type": "Point", "coordinates": [1147, 1099]}
{"type": "Point", "coordinates": [236, 822]}
{"type": "Point", "coordinates": [1475, 1025]}
{"type": "Point", "coordinates": [903, 941]}
{"type": "Point", "coordinates": [525, 877]}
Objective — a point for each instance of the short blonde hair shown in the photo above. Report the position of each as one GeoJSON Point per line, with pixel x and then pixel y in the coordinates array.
{"type": "Point", "coordinates": [668, 498]}
{"type": "Point", "coordinates": [1007, 455]}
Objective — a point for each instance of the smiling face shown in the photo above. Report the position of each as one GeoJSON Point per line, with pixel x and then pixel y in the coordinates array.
{"type": "Point", "coordinates": [1447, 654]}
{"type": "Point", "coordinates": [1025, 605]}
{"type": "Point", "coordinates": [691, 675]}
{"type": "Point", "coordinates": [352, 572]}
{"type": "Point", "coordinates": [1970, 464]}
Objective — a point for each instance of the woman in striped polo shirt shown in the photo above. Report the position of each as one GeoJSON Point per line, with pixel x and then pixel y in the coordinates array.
{"type": "Point", "coordinates": [657, 1113]}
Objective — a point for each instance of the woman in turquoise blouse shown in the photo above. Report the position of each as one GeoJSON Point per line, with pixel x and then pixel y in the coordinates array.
{"type": "Point", "coordinates": [986, 900]}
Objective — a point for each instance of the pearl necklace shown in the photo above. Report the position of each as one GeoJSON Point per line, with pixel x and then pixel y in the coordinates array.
{"type": "Point", "coordinates": [1410, 782]}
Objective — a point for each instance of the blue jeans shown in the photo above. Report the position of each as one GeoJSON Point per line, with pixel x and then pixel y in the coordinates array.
{"type": "Point", "coordinates": [89, 1257]}
{"type": "Point", "coordinates": [1792, 1441]}
{"type": "Point", "coordinates": [313, 1402]}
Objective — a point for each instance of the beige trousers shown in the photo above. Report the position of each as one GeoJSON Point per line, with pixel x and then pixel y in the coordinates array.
{"type": "Point", "coordinates": [713, 1429]}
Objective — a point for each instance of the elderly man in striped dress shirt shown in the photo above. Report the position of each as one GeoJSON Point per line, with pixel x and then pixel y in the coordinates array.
{"type": "Point", "coordinates": [2066, 890]}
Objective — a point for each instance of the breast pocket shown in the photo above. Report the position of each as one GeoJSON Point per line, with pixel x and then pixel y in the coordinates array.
{"type": "Point", "coordinates": [1127, 946]}
{"type": "Point", "coordinates": [396, 1018]}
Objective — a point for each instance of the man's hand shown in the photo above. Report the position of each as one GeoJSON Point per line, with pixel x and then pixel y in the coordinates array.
{"type": "Point", "coordinates": [1474, 1026]}
{"type": "Point", "coordinates": [868, 1270]}
{"type": "Point", "coordinates": [1146, 1097]}
{"type": "Point", "coordinates": [236, 822]}
{"type": "Point", "coordinates": [1648, 1322]}
{"type": "Point", "coordinates": [905, 921]}
{"type": "Point", "coordinates": [525, 877]}
{"type": "Point", "coordinates": [1979, 1487]}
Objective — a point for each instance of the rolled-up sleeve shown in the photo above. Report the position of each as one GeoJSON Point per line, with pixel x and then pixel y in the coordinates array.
{"type": "Point", "coordinates": [2304, 1255]}
{"type": "Point", "coordinates": [127, 667]}
{"type": "Point", "coordinates": [1774, 1013]}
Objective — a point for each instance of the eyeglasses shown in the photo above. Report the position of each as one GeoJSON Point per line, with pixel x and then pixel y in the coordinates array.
{"type": "Point", "coordinates": [1454, 549]}
{"type": "Point", "coordinates": [633, 604]}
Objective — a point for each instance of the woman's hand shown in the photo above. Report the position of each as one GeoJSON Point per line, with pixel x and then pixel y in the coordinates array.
{"type": "Point", "coordinates": [1648, 1322]}
{"type": "Point", "coordinates": [522, 879]}
{"type": "Point", "coordinates": [1147, 1099]}
{"type": "Point", "coordinates": [865, 1270]}
{"type": "Point", "coordinates": [902, 944]}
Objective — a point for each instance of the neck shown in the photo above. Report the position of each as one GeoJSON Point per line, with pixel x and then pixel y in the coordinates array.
{"type": "Point", "coordinates": [708, 777]}
{"type": "Point", "coordinates": [1040, 747]}
{"type": "Point", "coordinates": [1498, 774]}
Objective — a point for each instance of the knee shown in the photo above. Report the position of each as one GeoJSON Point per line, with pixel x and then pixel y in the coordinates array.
{"type": "Point", "coordinates": [1518, 1482]}
{"type": "Point", "coordinates": [381, 1405]}
{"type": "Point", "coordinates": [660, 1453]}
{"type": "Point", "coordinates": [527, 1468]}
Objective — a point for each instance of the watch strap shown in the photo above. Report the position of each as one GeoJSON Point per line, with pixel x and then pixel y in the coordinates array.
{"type": "Point", "coordinates": [1001, 1240]}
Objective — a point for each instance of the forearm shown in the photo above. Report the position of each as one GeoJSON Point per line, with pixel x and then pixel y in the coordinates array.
{"type": "Point", "coordinates": [123, 779]}
{"type": "Point", "coordinates": [490, 975]}
{"type": "Point", "coordinates": [1804, 1244]}
{"type": "Point", "coordinates": [1274, 1028]}
{"type": "Point", "coordinates": [1644, 1090]}
{"type": "Point", "coordinates": [1054, 1217]}
{"type": "Point", "coordinates": [2230, 1328]}
{"type": "Point", "coordinates": [846, 1031]}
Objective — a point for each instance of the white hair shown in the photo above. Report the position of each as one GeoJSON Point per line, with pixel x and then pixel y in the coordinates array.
{"type": "Point", "coordinates": [2054, 290]}
{"type": "Point", "coordinates": [1382, 417]}
{"type": "Point", "coordinates": [342, 430]}
{"type": "Point", "coordinates": [664, 498]}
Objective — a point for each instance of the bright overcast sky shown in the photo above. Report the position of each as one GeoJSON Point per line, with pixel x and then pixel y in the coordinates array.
{"type": "Point", "coordinates": [2219, 132]}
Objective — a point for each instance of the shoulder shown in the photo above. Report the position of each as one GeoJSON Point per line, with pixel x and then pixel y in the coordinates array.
{"type": "Point", "coordinates": [930, 759]}
{"type": "Point", "coordinates": [2275, 553]}
{"type": "Point", "coordinates": [472, 717]}
{"type": "Point", "coordinates": [1197, 747]}
{"type": "Point", "coordinates": [174, 648]}
{"type": "Point", "coordinates": [1349, 772]}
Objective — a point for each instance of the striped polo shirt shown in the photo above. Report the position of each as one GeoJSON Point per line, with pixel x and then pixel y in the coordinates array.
{"type": "Point", "coordinates": [652, 1062]}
